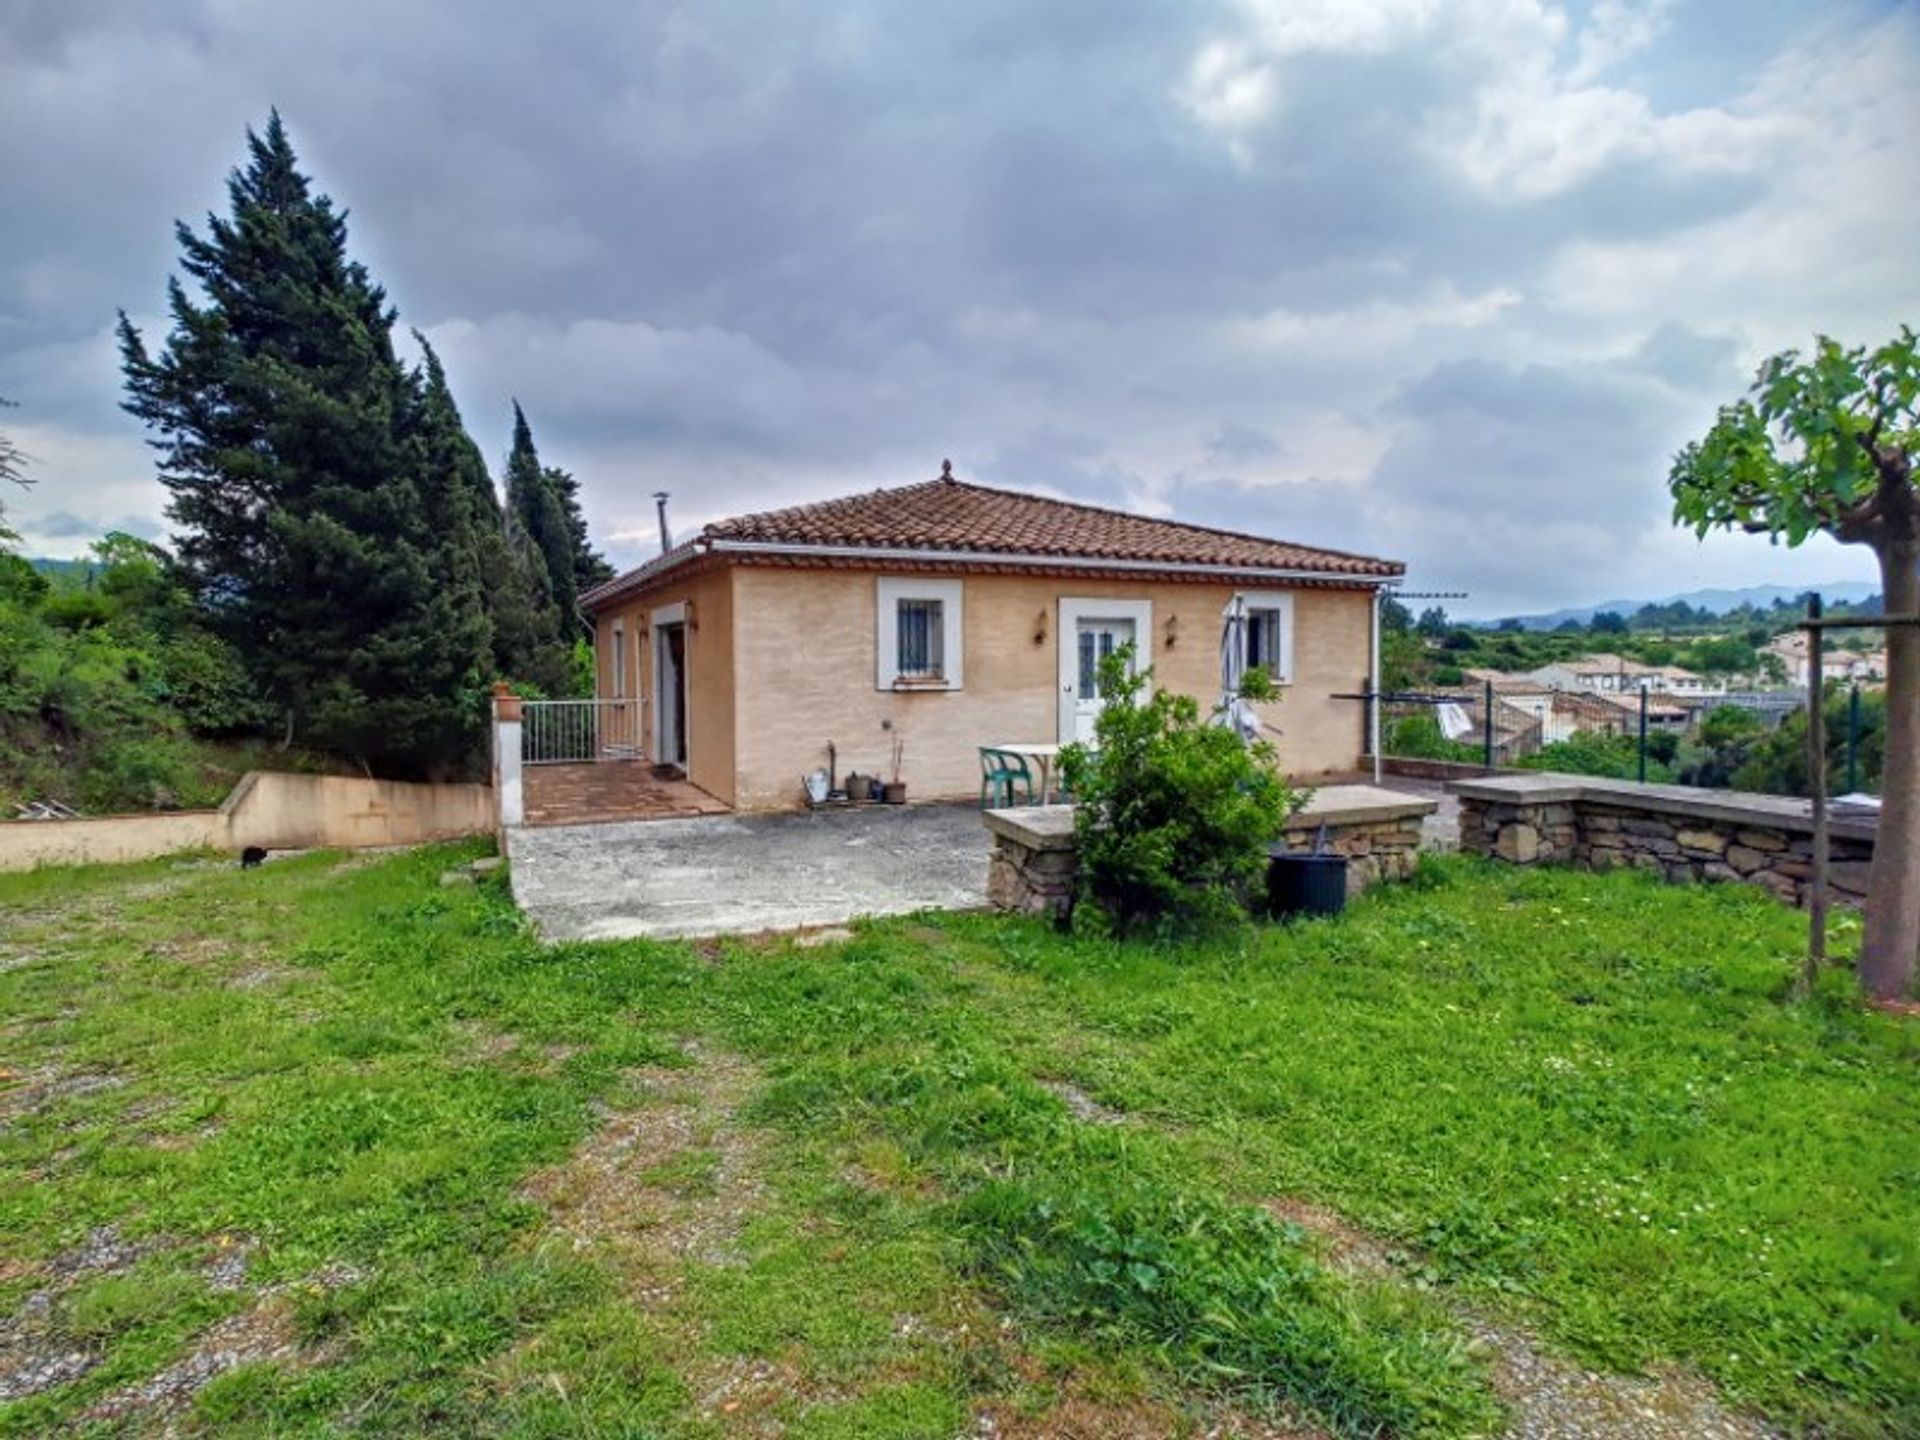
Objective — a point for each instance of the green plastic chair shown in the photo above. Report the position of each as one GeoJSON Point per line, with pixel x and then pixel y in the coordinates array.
{"type": "Point", "coordinates": [1000, 772]}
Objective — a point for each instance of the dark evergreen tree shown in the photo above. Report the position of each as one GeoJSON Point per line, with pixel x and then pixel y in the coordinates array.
{"type": "Point", "coordinates": [542, 520]}
{"type": "Point", "coordinates": [314, 514]}
{"type": "Point", "coordinates": [523, 626]}
{"type": "Point", "coordinates": [590, 567]}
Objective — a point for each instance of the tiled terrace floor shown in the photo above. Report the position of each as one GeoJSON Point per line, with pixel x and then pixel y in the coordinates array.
{"type": "Point", "coordinates": [588, 794]}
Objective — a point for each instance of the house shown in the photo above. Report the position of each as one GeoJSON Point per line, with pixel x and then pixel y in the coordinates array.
{"type": "Point", "coordinates": [944, 616]}
{"type": "Point", "coordinates": [1792, 649]}
{"type": "Point", "coordinates": [1617, 675]}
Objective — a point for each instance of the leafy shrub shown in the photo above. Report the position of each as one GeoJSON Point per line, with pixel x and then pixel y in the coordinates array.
{"type": "Point", "coordinates": [1174, 813]}
{"type": "Point", "coordinates": [1616, 757]}
{"type": "Point", "coordinates": [1418, 737]}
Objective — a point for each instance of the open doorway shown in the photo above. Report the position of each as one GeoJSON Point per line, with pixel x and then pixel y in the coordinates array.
{"type": "Point", "coordinates": [670, 687]}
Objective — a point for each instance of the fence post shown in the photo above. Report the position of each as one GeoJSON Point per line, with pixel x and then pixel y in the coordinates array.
{"type": "Point", "coordinates": [1817, 790]}
{"type": "Point", "coordinates": [1486, 700]}
{"type": "Point", "coordinates": [507, 789]}
{"type": "Point", "coordinates": [1853, 737]}
{"type": "Point", "coordinates": [1643, 732]}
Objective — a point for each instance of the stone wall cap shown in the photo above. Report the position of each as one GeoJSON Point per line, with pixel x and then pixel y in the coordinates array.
{"type": "Point", "coordinates": [1038, 827]}
{"type": "Point", "coordinates": [1541, 787]}
{"type": "Point", "coordinates": [1359, 805]}
{"type": "Point", "coordinates": [1732, 807]}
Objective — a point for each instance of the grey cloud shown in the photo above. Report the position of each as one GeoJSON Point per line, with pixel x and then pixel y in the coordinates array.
{"type": "Point", "coordinates": [66, 525]}
{"type": "Point", "coordinates": [760, 252]}
{"type": "Point", "coordinates": [1689, 360]}
{"type": "Point", "coordinates": [1234, 441]}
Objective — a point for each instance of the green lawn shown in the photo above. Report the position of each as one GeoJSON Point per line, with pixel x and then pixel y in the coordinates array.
{"type": "Point", "coordinates": [352, 1129]}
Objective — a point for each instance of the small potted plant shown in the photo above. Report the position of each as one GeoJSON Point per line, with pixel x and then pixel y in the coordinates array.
{"type": "Point", "coordinates": [859, 787]}
{"type": "Point", "coordinates": [894, 792]}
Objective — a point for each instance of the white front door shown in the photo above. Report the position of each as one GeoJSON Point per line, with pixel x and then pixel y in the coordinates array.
{"type": "Point", "coordinates": [1090, 631]}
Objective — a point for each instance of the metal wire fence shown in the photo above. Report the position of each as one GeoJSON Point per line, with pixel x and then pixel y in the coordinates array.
{"type": "Point", "coordinates": [559, 732]}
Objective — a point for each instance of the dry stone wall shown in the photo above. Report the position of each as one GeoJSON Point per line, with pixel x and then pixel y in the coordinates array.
{"type": "Point", "coordinates": [1685, 835]}
{"type": "Point", "coordinates": [1034, 867]}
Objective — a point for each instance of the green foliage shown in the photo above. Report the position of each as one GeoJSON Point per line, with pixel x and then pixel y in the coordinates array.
{"type": "Point", "coordinates": [108, 680]}
{"type": "Point", "coordinates": [1228, 1292]}
{"type": "Point", "coordinates": [326, 534]}
{"type": "Point", "coordinates": [1257, 685]}
{"type": "Point", "coordinates": [525, 637]}
{"type": "Point", "coordinates": [540, 518]}
{"type": "Point", "coordinates": [1720, 655]}
{"type": "Point", "coordinates": [1797, 456]}
{"type": "Point", "coordinates": [1775, 763]}
{"type": "Point", "coordinates": [1614, 756]}
{"type": "Point", "coordinates": [590, 567]}
{"type": "Point", "coordinates": [1417, 736]}
{"type": "Point", "coordinates": [1174, 813]}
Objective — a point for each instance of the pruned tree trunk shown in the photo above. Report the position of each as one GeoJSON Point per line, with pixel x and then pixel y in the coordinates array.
{"type": "Point", "coordinates": [1892, 938]}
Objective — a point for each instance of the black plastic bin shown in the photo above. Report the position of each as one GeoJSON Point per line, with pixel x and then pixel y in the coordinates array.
{"type": "Point", "coordinates": [1301, 883]}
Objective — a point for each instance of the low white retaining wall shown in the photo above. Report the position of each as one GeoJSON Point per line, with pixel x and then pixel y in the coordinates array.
{"type": "Point", "coordinates": [271, 809]}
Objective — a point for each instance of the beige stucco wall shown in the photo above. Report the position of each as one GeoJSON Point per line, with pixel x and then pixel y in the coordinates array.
{"type": "Point", "coordinates": [710, 669]}
{"type": "Point", "coordinates": [269, 809]}
{"type": "Point", "coordinates": [109, 840]}
{"type": "Point", "coordinates": [805, 653]}
{"type": "Point", "coordinates": [279, 811]}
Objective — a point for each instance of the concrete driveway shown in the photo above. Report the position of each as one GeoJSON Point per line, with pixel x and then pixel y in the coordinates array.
{"type": "Point", "coordinates": [738, 874]}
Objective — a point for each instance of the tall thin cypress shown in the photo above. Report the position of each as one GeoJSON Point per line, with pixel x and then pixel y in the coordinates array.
{"type": "Point", "coordinates": [542, 519]}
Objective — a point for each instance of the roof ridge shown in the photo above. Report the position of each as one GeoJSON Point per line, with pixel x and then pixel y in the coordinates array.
{"type": "Point", "coordinates": [806, 507]}
{"type": "Point", "coordinates": [1162, 520]}
{"type": "Point", "coordinates": [945, 480]}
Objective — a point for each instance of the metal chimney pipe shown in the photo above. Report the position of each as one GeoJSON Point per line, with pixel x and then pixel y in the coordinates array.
{"type": "Point", "coordinates": [666, 535]}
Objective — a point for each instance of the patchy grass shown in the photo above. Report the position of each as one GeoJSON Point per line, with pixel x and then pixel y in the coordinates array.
{"type": "Point", "coordinates": [328, 1146]}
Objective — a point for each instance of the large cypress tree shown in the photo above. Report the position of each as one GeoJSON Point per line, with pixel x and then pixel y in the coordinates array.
{"type": "Point", "coordinates": [525, 628]}
{"type": "Point", "coordinates": [315, 517]}
{"type": "Point", "coordinates": [590, 567]}
{"type": "Point", "coordinates": [541, 517]}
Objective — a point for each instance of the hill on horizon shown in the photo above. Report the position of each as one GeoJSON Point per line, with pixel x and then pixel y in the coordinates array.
{"type": "Point", "coordinates": [1715, 601]}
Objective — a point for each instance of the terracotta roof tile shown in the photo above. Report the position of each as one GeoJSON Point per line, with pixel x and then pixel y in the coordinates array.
{"type": "Point", "coordinates": [952, 515]}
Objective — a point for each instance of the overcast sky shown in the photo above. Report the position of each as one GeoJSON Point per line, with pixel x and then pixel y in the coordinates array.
{"type": "Point", "coordinates": [1447, 282]}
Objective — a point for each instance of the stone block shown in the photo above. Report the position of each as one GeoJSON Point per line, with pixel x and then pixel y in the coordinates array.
{"type": "Point", "coordinates": [1519, 843]}
{"type": "Point", "coordinates": [1599, 821]}
{"type": "Point", "coordinates": [1745, 860]}
{"type": "Point", "coordinates": [1768, 840]}
{"type": "Point", "coordinates": [1709, 842]}
{"type": "Point", "coordinates": [1647, 829]}
{"type": "Point", "coordinates": [1715, 870]}
{"type": "Point", "coordinates": [1849, 875]}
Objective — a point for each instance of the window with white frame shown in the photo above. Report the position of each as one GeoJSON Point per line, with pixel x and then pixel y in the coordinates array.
{"type": "Point", "coordinates": [619, 665]}
{"type": "Point", "coordinates": [1267, 634]}
{"type": "Point", "coordinates": [919, 641]}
